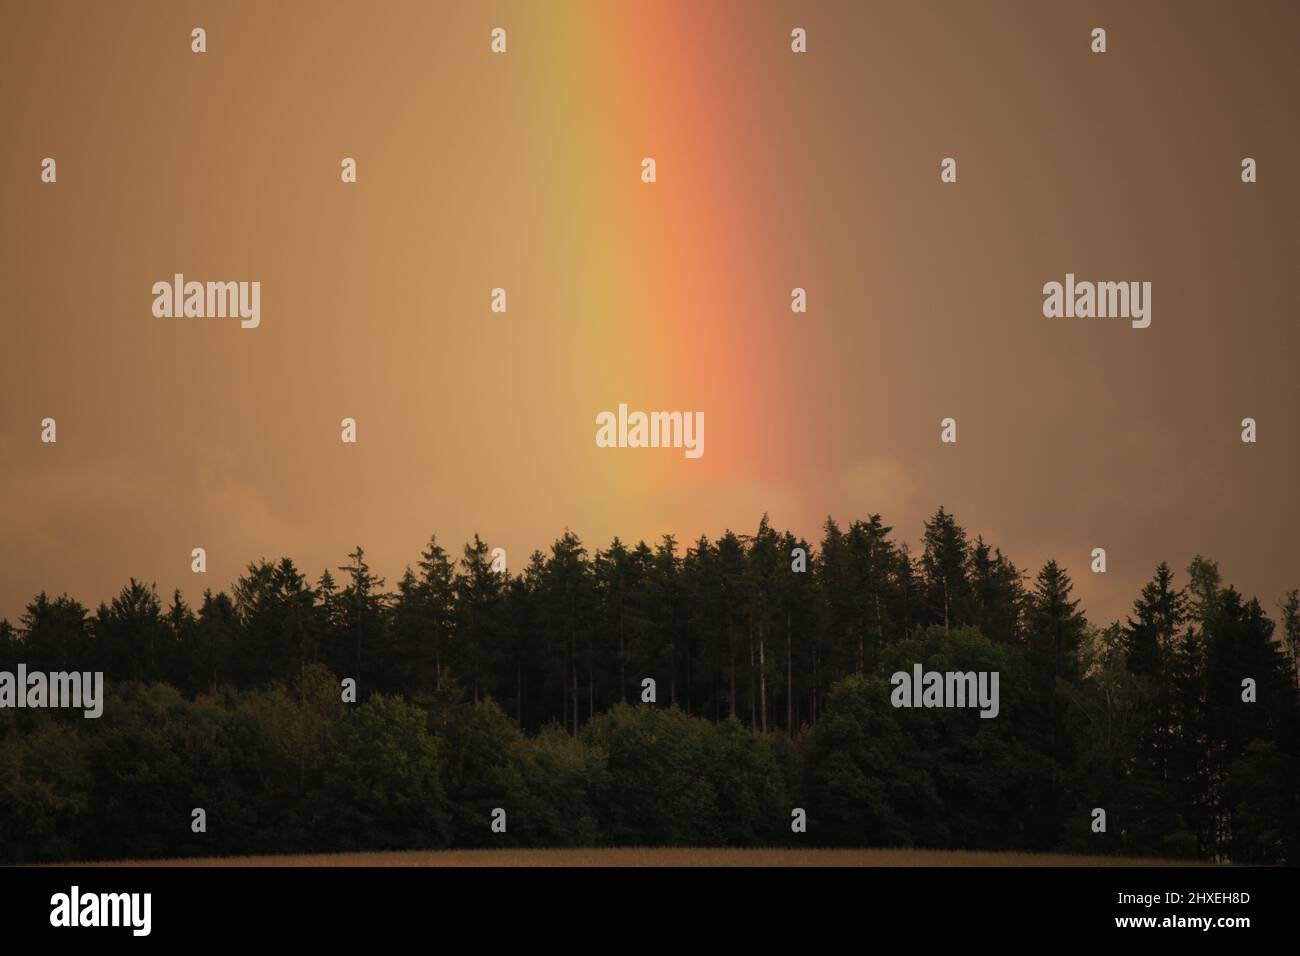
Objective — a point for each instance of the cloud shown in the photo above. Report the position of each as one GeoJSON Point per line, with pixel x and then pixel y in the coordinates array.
{"type": "Point", "coordinates": [875, 485]}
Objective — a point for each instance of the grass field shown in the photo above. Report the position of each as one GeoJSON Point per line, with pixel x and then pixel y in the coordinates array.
{"type": "Point", "coordinates": [663, 856]}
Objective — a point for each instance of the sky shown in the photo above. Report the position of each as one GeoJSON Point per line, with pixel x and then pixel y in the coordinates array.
{"type": "Point", "coordinates": [523, 171]}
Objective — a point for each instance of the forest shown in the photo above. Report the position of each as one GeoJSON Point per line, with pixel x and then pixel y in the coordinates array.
{"type": "Point", "coordinates": [480, 689]}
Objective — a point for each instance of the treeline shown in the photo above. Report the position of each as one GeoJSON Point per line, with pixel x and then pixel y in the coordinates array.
{"type": "Point", "coordinates": [481, 689]}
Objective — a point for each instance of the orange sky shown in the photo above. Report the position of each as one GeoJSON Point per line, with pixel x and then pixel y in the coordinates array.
{"type": "Point", "coordinates": [523, 171]}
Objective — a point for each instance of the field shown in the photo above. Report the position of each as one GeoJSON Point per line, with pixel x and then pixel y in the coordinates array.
{"type": "Point", "coordinates": [664, 856]}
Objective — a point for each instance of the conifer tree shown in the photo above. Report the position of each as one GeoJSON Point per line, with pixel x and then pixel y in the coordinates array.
{"type": "Point", "coordinates": [943, 566]}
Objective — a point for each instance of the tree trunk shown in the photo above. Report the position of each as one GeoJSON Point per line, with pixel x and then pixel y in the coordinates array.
{"type": "Point", "coordinates": [672, 674]}
{"type": "Point", "coordinates": [688, 673]}
{"type": "Point", "coordinates": [880, 632]}
{"type": "Point", "coordinates": [812, 707]}
{"type": "Point", "coordinates": [789, 679]}
{"type": "Point", "coordinates": [731, 656]}
{"type": "Point", "coordinates": [753, 717]}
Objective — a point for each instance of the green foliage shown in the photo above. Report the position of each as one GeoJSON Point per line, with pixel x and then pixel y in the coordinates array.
{"type": "Point", "coordinates": [384, 789]}
{"type": "Point", "coordinates": [45, 788]}
{"type": "Point", "coordinates": [551, 788]}
{"type": "Point", "coordinates": [674, 780]}
{"type": "Point", "coordinates": [941, 777]}
{"type": "Point", "coordinates": [480, 689]}
{"type": "Point", "coordinates": [863, 788]}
